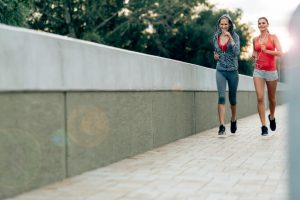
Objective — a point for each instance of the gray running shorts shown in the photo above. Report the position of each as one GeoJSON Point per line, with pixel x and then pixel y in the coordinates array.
{"type": "Point", "coordinates": [266, 75]}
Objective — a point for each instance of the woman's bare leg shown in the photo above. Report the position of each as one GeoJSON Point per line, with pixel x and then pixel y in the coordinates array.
{"type": "Point", "coordinates": [259, 84]}
{"type": "Point", "coordinates": [221, 112]}
{"type": "Point", "coordinates": [271, 86]}
{"type": "Point", "coordinates": [233, 113]}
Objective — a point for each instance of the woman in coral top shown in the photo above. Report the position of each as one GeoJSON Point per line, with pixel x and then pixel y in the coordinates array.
{"type": "Point", "coordinates": [266, 47]}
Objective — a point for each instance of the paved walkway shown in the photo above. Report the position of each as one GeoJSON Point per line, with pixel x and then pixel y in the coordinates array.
{"type": "Point", "coordinates": [246, 166]}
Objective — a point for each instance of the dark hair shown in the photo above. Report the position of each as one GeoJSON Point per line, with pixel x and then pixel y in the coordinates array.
{"type": "Point", "coordinates": [264, 19]}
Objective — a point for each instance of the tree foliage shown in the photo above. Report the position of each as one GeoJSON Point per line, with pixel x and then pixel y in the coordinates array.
{"type": "Point", "coordinates": [14, 12]}
{"type": "Point", "coordinates": [83, 19]}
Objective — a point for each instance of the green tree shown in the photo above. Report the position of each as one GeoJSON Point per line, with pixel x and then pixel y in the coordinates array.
{"type": "Point", "coordinates": [83, 19]}
{"type": "Point", "coordinates": [154, 24]}
{"type": "Point", "coordinates": [14, 12]}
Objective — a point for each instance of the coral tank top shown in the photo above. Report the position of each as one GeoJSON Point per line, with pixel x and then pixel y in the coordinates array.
{"type": "Point", "coordinates": [265, 61]}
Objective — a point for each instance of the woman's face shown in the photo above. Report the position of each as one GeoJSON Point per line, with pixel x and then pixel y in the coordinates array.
{"type": "Point", "coordinates": [224, 24]}
{"type": "Point", "coordinates": [263, 25]}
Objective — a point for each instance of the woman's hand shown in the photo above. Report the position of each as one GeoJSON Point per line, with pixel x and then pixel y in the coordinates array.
{"type": "Point", "coordinates": [263, 48]}
{"type": "Point", "coordinates": [226, 33]}
{"type": "Point", "coordinates": [254, 56]}
{"type": "Point", "coordinates": [216, 56]}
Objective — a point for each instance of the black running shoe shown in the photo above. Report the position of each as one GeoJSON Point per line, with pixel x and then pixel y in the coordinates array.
{"type": "Point", "coordinates": [233, 126]}
{"type": "Point", "coordinates": [264, 131]}
{"type": "Point", "coordinates": [222, 130]}
{"type": "Point", "coordinates": [272, 123]}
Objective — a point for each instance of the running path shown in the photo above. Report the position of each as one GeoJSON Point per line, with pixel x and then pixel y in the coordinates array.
{"type": "Point", "coordinates": [245, 166]}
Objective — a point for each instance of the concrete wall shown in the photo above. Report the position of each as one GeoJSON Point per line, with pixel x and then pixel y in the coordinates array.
{"type": "Point", "coordinates": [29, 122]}
{"type": "Point", "coordinates": [36, 61]}
{"type": "Point", "coordinates": [69, 106]}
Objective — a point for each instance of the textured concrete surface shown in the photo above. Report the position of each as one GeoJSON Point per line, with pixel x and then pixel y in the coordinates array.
{"type": "Point", "coordinates": [32, 151]}
{"type": "Point", "coordinates": [244, 166]}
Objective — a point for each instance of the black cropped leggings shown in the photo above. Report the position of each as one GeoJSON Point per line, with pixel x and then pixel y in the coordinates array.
{"type": "Point", "coordinates": [232, 78]}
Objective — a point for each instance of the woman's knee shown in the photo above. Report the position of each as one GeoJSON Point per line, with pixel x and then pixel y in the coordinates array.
{"type": "Point", "coordinates": [260, 99]}
{"type": "Point", "coordinates": [272, 100]}
{"type": "Point", "coordinates": [221, 100]}
{"type": "Point", "coordinates": [232, 101]}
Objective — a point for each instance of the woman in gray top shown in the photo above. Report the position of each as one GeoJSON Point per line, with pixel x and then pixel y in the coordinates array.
{"type": "Point", "coordinates": [226, 51]}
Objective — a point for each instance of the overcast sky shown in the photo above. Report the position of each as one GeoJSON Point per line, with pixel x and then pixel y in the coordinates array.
{"type": "Point", "coordinates": [278, 13]}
